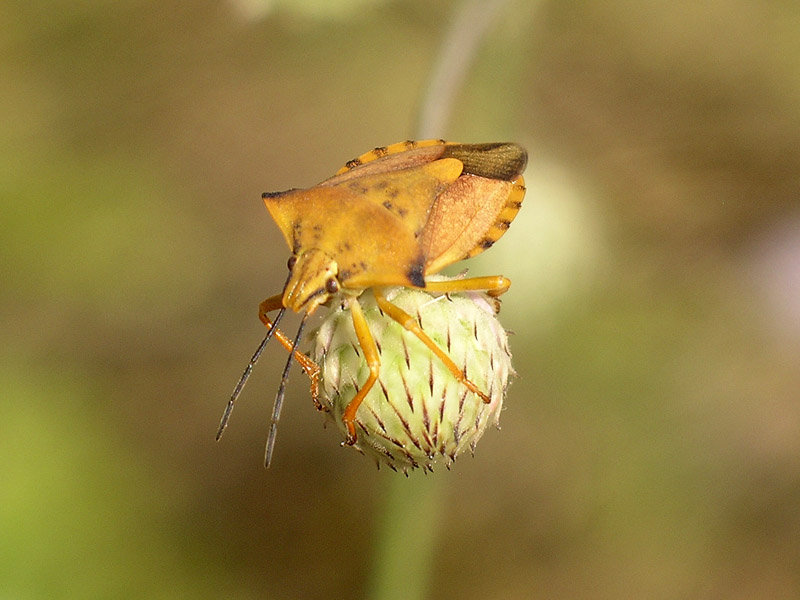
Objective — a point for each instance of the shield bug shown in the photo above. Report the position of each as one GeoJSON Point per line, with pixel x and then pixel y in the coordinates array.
{"type": "Point", "coordinates": [391, 217]}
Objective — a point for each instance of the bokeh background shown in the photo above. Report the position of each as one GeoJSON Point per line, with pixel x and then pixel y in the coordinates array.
{"type": "Point", "coordinates": [650, 446]}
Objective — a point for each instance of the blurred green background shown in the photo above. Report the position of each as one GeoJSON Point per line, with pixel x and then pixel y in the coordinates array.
{"type": "Point", "coordinates": [651, 443]}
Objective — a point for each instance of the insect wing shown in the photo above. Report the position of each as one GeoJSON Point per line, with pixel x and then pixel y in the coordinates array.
{"type": "Point", "coordinates": [463, 221]}
{"type": "Point", "coordinates": [478, 208]}
{"type": "Point", "coordinates": [494, 161]}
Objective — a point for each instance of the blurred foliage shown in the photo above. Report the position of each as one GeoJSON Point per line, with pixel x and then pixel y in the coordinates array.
{"type": "Point", "coordinates": [651, 444]}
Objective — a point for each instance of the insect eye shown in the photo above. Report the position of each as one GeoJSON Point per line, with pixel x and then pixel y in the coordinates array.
{"type": "Point", "coordinates": [291, 261]}
{"type": "Point", "coordinates": [331, 286]}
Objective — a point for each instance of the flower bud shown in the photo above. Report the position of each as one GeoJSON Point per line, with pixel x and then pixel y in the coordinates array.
{"type": "Point", "coordinates": [417, 412]}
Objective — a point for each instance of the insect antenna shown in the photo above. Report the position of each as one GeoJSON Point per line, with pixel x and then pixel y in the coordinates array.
{"type": "Point", "coordinates": [249, 369]}
{"type": "Point", "coordinates": [276, 408]}
{"type": "Point", "coordinates": [246, 375]}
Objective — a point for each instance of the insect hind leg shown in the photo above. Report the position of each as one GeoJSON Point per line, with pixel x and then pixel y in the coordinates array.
{"type": "Point", "coordinates": [494, 285]}
{"type": "Point", "coordinates": [410, 324]}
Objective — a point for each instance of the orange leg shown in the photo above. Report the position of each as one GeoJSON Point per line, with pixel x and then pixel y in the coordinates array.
{"type": "Point", "coordinates": [309, 366]}
{"type": "Point", "coordinates": [373, 360]}
{"type": "Point", "coordinates": [494, 285]}
{"type": "Point", "coordinates": [410, 324]}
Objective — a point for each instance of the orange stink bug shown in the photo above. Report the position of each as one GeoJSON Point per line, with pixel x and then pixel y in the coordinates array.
{"type": "Point", "coordinates": [391, 217]}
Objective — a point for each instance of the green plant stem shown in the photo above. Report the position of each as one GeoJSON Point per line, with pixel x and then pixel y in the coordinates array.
{"type": "Point", "coordinates": [406, 537]}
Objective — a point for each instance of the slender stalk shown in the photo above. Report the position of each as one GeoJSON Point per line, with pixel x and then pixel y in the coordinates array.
{"type": "Point", "coordinates": [408, 527]}
{"type": "Point", "coordinates": [459, 48]}
{"type": "Point", "coordinates": [408, 530]}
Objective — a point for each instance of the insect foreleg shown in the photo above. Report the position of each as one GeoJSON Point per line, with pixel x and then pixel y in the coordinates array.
{"type": "Point", "coordinates": [410, 324]}
{"type": "Point", "coordinates": [373, 361]}
{"type": "Point", "coordinates": [494, 285]}
{"type": "Point", "coordinates": [309, 367]}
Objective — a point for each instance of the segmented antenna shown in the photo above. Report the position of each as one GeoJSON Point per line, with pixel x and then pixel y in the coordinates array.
{"type": "Point", "coordinates": [246, 375]}
{"type": "Point", "coordinates": [276, 408]}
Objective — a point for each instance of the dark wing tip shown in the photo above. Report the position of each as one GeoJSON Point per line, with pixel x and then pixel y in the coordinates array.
{"type": "Point", "coordinates": [500, 160]}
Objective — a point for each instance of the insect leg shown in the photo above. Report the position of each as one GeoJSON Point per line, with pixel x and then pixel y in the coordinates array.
{"type": "Point", "coordinates": [410, 324]}
{"type": "Point", "coordinates": [373, 360]}
{"type": "Point", "coordinates": [494, 285]}
{"type": "Point", "coordinates": [309, 367]}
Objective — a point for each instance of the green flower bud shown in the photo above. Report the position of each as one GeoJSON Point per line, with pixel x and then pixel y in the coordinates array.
{"type": "Point", "coordinates": [417, 412]}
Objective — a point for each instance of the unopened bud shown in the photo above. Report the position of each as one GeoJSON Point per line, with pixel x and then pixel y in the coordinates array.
{"type": "Point", "coordinates": [417, 412]}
